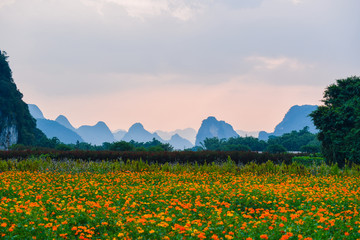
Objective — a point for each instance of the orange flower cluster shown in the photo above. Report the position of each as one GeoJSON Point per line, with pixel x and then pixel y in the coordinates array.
{"type": "Point", "coordinates": [162, 205]}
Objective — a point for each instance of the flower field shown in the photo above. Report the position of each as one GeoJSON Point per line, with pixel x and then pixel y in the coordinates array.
{"type": "Point", "coordinates": [183, 205]}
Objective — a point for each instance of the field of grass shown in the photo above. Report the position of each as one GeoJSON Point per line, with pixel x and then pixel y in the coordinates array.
{"type": "Point", "coordinates": [176, 202]}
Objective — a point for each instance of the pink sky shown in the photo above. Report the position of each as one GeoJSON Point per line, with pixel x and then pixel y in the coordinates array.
{"type": "Point", "coordinates": [249, 107]}
{"type": "Point", "coordinates": [171, 64]}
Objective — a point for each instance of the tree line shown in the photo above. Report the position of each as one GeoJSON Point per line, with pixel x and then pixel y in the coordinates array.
{"type": "Point", "coordinates": [300, 141]}
{"type": "Point", "coordinates": [296, 141]}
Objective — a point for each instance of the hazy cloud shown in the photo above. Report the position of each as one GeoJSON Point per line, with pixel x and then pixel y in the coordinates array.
{"type": "Point", "coordinates": [6, 2]}
{"type": "Point", "coordinates": [260, 63]}
{"type": "Point", "coordinates": [81, 49]}
{"type": "Point", "coordinates": [142, 9]}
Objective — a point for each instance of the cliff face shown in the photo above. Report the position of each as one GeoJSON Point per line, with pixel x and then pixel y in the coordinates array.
{"type": "Point", "coordinates": [211, 127]}
{"type": "Point", "coordinates": [8, 133]}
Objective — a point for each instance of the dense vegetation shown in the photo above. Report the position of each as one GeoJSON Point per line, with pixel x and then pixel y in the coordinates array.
{"type": "Point", "coordinates": [302, 140]}
{"type": "Point", "coordinates": [14, 110]}
{"type": "Point", "coordinates": [199, 157]}
{"type": "Point", "coordinates": [339, 121]}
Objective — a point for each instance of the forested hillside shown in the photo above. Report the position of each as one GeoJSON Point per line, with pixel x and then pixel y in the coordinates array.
{"type": "Point", "coordinates": [16, 123]}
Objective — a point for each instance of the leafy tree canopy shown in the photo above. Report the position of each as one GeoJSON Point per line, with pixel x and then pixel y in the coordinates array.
{"type": "Point", "coordinates": [339, 121]}
{"type": "Point", "coordinates": [295, 140]}
{"type": "Point", "coordinates": [301, 140]}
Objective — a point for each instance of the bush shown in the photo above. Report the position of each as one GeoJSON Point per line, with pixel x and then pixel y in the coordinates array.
{"type": "Point", "coordinates": [308, 160]}
{"type": "Point", "coordinates": [276, 148]}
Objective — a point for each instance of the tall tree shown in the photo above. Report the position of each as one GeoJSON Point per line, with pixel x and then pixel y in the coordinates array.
{"type": "Point", "coordinates": [339, 121]}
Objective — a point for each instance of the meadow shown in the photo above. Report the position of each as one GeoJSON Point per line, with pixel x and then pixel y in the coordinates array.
{"type": "Point", "coordinates": [45, 199]}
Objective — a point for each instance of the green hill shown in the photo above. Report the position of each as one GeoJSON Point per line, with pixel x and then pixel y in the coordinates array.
{"type": "Point", "coordinates": [16, 123]}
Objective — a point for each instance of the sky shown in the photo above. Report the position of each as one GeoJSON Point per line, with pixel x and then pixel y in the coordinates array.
{"type": "Point", "coordinates": [169, 64]}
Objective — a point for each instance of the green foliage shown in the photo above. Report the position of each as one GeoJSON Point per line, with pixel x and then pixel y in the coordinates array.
{"type": "Point", "coordinates": [234, 144]}
{"type": "Point", "coordinates": [308, 160]}
{"type": "Point", "coordinates": [300, 166]}
{"type": "Point", "coordinates": [121, 146]}
{"type": "Point", "coordinates": [276, 148]}
{"type": "Point", "coordinates": [14, 110]}
{"type": "Point", "coordinates": [213, 144]}
{"type": "Point", "coordinates": [63, 147]}
{"type": "Point", "coordinates": [296, 140]}
{"type": "Point", "coordinates": [310, 148]}
{"type": "Point", "coordinates": [339, 121]}
{"type": "Point", "coordinates": [301, 140]}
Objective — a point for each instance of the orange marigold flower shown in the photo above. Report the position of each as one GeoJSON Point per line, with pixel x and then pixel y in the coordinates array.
{"type": "Point", "coordinates": [214, 237]}
{"type": "Point", "coordinates": [3, 224]}
{"type": "Point", "coordinates": [264, 236]}
{"type": "Point", "coordinates": [201, 236]}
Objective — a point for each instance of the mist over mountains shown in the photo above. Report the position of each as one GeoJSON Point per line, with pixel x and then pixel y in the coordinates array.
{"type": "Point", "coordinates": [295, 119]}
{"type": "Point", "coordinates": [100, 132]}
{"type": "Point", "coordinates": [187, 133]}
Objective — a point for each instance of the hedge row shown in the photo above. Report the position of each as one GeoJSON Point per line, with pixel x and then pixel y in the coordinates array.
{"type": "Point", "coordinates": [155, 157]}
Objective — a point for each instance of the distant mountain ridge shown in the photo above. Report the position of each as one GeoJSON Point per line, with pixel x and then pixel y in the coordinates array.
{"type": "Point", "coordinates": [119, 134]}
{"type": "Point", "coordinates": [138, 133]}
{"type": "Point", "coordinates": [100, 132]}
{"type": "Point", "coordinates": [179, 143]}
{"type": "Point", "coordinates": [35, 111]}
{"type": "Point", "coordinates": [97, 134]}
{"type": "Point", "coordinates": [187, 133]}
{"type": "Point", "coordinates": [53, 128]}
{"type": "Point", "coordinates": [65, 122]}
{"type": "Point", "coordinates": [211, 127]}
{"type": "Point", "coordinates": [295, 119]}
